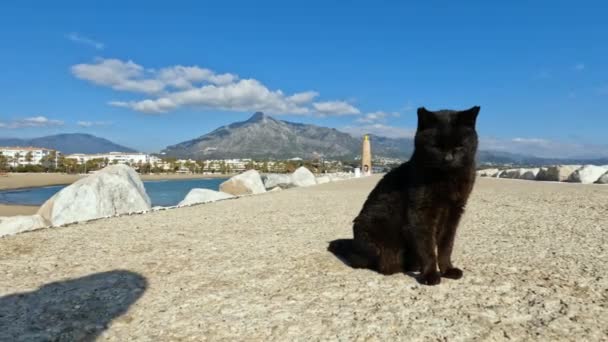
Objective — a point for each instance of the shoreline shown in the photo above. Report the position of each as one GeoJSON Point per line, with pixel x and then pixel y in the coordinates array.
{"type": "Point", "coordinates": [23, 181]}
{"type": "Point", "coordinates": [19, 181]}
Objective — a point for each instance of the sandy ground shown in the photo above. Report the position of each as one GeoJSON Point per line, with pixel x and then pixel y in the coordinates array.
{"type": "Point", "coordinates": [12, 210]}
{"type": "Point", "coordinates": [534, 256]}
{"type": "Point", "coordinates": [30, 180]}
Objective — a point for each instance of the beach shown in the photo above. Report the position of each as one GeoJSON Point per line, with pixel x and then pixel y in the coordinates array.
{"type": "Point", "coordinates": [30, 180]}
{"type": "Point", "coordinates": [13, 210]}
{"type": "Point", "coordinates": [256, 268]}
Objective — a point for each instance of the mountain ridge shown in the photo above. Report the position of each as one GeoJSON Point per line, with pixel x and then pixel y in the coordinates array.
{"type": "Point", "coordinates": [264, 137]}
{"type": "Point", "coordinates": [69, 143]}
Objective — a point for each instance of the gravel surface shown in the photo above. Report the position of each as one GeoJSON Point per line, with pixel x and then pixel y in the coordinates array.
{"type": "Point", "coordinates": [256, 268]}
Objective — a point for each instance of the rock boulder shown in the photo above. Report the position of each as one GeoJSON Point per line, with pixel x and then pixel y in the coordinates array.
{"type": "Point", "coordinates": [603, 179]}
{"type": "Point", "coordinates": [196, 196]}
{"type": "Point", "coordinates": [512, 173]}
{"type": "Point", "coordinates": [17, 224]}
{"type": "Point", "coordinates": [114, 190]}
{"type": "Point", "coordinates": [273, 180]}
{"type": "Point", "coordinates": [587, 174]}
{"type": "Point", "coordinates": [303, 177]}
{"type": "Point", "coordinates": [487, 172]}
{"type": "Point", "coordinates": [557, 173]}
{"type": "Point", "coordinates": [529, 174]}
{"type": "Point", "coordinates": [247, 183]}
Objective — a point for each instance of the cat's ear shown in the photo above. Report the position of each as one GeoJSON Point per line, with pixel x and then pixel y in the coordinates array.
{"type": "Point", "coordinates": [469, 117]}
{"type": "Point", "coordinates": [425, 118]}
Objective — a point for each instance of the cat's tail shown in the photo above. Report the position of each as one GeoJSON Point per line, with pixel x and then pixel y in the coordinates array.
{"type": "Point", "coordinates": [346, 249]}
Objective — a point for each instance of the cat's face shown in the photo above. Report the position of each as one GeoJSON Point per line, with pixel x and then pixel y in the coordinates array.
{"type": "Point", "coordinates": [446, 139]}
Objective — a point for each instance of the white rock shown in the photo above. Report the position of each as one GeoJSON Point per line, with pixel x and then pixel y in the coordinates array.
{"type": "Point", "coordinates": [603, 179]}
{"type": "Point", "coordinates": [529, 174]}
{"type": "Point", "coordinates": [557, 173]}
{"type": "Point", "coordinates": [512, 173]}
{"type": "Point", "coordinates": [323, 179]}
{"type": "Point", "coordinates": [17, 224]}
{"type": "Point", "coordinates": [303, 177]}
{"type": "Point", "coordinates": [247, 183]}
{"type": "Point", "coordinates": [196, 196]}
{"type": "Point", "coordinates": [114, 190]}
{"type": "Point", "coordinates": [542, 173]}
{"type": "Point", "coordinates": [587, 174]}
{"type": "Point", "coordinates": [278, 188]}
{"type": "Point", "coordinates": [488, 172]}
{"type": "Point", "coordinates": [272, 180]}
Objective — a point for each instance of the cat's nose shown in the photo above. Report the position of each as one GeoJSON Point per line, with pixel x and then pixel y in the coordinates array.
{"type": "Point", "coordinates": [449, 157]}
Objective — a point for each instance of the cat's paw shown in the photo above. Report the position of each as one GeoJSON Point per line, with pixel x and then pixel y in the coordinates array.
{"type": "Point", "coordinates": [430, 278]}
{"type": "Point", "coordinates": [452, 273]}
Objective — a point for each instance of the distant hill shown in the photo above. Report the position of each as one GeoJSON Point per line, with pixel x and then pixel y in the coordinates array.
{"type": "Point", "coordinates": [69, 143]}
{"type": "Point", "coordinates": [262, 137]}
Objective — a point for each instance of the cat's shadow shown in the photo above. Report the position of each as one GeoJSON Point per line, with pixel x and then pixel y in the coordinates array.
{"type": "Point", "coordinates": [411, 274]}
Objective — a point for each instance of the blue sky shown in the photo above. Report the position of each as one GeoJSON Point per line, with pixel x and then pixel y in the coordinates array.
{"type": "Point", "coordinates": [147, 75]}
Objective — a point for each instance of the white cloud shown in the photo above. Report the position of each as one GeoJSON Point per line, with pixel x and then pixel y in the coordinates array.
{"type": "Point", "coordinates": [380, 130]}
{"type": "Point", "coordinates": [35, 121]}
{"type": "Point", "coordinates": [77, 38]}
{"type": "Point", "coordinates": [375, 117]}
{"type": "Point", "coordinates": [180, 86]}
{"type": "Point", "coordinates": [579, 67]}
{"type": "Point", "coordinates": [119, 75]}
{"type": "Point", "coordinates": [303, 98]}
{"type": "Point", "coordinates": [93, 123]}
{"type": "Point", "coordinates": [183, 77]}
{"type": "Point", "coordinates": [536, 141]}
{"type": "Point", "coordinates": [244, 95]}
{"type": "Point", "coordinates": [335, 108]}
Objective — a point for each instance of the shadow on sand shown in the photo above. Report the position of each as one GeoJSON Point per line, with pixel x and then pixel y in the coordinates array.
{"type": "Point", "coordinates": [71, 310]}
{"type": "Point", "coordinates": [341, 247]}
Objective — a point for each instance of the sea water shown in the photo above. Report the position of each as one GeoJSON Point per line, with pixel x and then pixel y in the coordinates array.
{"type": "Point", "coordinates": [163, 192]}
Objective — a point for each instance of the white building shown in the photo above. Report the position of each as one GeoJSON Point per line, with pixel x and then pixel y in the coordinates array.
{"type": "Point", "coordinates": [17, 156]}
{"type": "Point", "coordinates": [232, 165]}
{"type": "Point", "coordinates": [116, 158]}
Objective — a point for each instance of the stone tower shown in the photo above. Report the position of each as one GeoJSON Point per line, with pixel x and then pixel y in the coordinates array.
{"type": "Point", "coordinates": [366, 157]}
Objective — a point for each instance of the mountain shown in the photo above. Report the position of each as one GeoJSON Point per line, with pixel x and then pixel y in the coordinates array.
{"type": "Point", "coordinates": [263, 137]}
{"type": "Point", "coordinates": [69, 143]}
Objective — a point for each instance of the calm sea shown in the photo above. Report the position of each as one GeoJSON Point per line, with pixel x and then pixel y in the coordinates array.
{"type": "Point", "coordinates": [165, 193]}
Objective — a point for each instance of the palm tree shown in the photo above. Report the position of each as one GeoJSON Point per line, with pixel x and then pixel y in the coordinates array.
{"type": "Point", "coordinates": [16, 158]}
{"type": "Point", "coordinates": [3, 162]}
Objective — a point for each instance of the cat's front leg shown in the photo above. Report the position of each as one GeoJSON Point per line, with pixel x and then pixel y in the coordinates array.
{"type": "Point", "coordinates": [445, 245]}
{"type": "Point", "coordinates": [424, 236]}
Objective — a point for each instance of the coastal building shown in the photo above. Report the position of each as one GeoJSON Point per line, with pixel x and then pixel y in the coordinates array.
{"type": "Point", "coordinates": [366, 157]}
{"type": "Point", "coordinates": [228, 165]}
{"type": "Point", "coordinates": [115, 158]}
{"type": "Point", "coordinates": [20, 156]}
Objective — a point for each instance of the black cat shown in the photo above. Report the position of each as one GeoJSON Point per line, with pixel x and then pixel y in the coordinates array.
{"type": "Point", "coordinates": [409, 220]}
